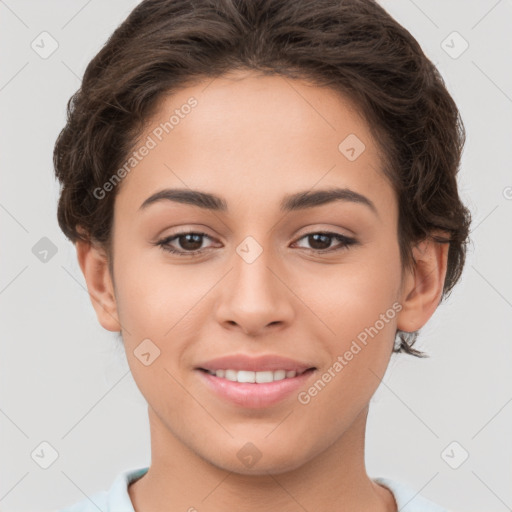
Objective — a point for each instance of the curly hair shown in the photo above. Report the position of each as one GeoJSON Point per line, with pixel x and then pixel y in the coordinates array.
{"type": "Point", "coordinates": [352, 46]}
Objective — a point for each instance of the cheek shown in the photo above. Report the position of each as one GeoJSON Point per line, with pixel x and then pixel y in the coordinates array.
{"type": "Point", "coordinates": [154, 303]}
{"type": "Point", "coordinates": [154, 296]}
{"type": "Point", "coordinates": [353, 295]}
{"type": "Point", "coordinates": [359, 305]}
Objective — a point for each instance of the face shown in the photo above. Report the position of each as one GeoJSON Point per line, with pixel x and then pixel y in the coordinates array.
{"type": "Point", "coordinates": [264, 273]}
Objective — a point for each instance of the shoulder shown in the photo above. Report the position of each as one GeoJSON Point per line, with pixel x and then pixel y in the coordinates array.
{"type": "Point", "coordinates": [407, 499]}
{"type": "Point", "coordinates": [116, 499]}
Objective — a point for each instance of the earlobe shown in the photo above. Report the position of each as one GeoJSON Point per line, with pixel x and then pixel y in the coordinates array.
{"type": "Point", "coordinates": [423, 286]}
{"type": "Point", "coordinates": [94, 264]}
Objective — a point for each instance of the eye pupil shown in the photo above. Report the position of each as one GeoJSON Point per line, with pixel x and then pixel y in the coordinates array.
{"type": "Point", "coordinates": [196, 244]}
{"type": "Point", "coordinates": [315, 237]}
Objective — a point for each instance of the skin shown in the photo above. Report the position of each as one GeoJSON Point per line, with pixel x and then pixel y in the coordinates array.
{"type": "Point", "coordinates": [253, 139]}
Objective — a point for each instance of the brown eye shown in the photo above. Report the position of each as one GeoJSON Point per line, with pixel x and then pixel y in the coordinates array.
{"type": "Point", "coordinates": [188, 243]}
{"type": "Point", "coordinates": [321, 242]}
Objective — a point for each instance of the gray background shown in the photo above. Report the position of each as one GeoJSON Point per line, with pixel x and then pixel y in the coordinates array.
{"type": "Point", "coordinates": [62, 379]}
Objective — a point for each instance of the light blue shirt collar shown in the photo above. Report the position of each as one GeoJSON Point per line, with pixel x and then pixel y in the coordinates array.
{"type": "Point", "coordinates": [117, 499]}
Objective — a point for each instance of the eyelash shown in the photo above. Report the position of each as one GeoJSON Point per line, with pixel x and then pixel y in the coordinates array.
{"type": "Point", "coordinates": [346, 242]}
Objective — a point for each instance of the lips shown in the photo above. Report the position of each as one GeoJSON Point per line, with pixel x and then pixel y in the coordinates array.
{"type": "Point", "coordinates": [255, 382]}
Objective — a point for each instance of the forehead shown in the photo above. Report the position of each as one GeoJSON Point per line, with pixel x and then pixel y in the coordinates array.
{"type": "Point", "coordinates": [248, 136]}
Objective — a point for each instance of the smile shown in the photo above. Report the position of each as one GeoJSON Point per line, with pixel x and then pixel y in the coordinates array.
{"type": "Point", "coordinates": [253, 389]}
{"type": "Point", "coordinates": [254, 377]}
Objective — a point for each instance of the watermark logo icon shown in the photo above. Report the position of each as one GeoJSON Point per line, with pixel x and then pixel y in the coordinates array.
{"type": "Point", "coordinates": [45, 45]}
{"type": "Point", "coordinates": [249, 249]}
{"type": "Point", "coordinates": [454, 455]}
{"type": "Point", "coordinates": [146, 352]}
{"type": "Point", "coordinates": [249, 455]}
{"type": "Point", "coordinates": [44, 455]}
{"type": "Point", "coordinates": [44, 250]}
{"type": "Point", "coordinates": [351, 147]}
{"type": "Point", "coordinates": [454, 45]}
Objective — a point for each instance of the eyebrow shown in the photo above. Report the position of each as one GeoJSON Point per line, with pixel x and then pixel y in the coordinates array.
{"type": "Point", "coordinates": [292, 202]}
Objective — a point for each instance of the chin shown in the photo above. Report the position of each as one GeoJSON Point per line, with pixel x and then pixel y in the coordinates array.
{"type": "Point", "coordinates": [251, 461]}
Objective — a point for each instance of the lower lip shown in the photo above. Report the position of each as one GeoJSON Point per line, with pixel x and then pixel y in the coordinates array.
{"type": "Point", "coordinates": [255, 396]}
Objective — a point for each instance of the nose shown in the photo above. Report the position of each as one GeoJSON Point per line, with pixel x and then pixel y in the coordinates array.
{"type": "Point", "coordinates": [255, 297]}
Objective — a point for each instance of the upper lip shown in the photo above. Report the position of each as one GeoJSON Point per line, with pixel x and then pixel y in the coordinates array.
{"type": "Point", "coordinates": [255, 364]}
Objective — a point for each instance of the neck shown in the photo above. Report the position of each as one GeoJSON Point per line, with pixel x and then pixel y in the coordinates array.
{"type": "Point", "coordinates": [335, 480]}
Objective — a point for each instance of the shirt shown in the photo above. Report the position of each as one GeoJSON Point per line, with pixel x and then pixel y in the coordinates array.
{"type": "Point", "coordinates": [117, 499]}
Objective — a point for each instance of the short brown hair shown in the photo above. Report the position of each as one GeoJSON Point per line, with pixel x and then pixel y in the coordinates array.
{"type": "Point", "coordinates": [352, 46]}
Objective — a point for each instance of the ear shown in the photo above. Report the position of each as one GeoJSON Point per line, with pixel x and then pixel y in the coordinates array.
{"type": "Point", "coordinates": [423, 286]}
{"type": "Point", "coordinates": [94, 264]}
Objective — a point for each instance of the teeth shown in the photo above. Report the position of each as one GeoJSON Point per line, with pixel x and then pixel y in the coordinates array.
{"type": "Point", "coordinates": [253, 377]}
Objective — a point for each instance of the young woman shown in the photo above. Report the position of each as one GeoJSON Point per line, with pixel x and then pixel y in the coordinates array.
{"type": "Point", "coordinates": [264, 203]}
